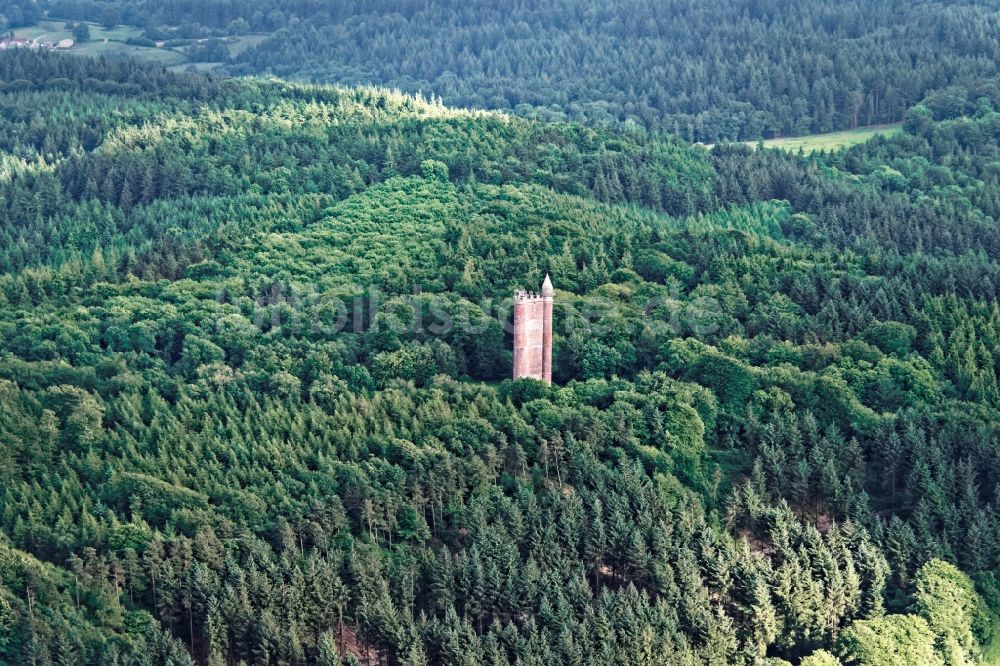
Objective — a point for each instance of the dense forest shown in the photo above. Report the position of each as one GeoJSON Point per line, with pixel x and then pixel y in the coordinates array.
{"type": "Point", "coordinates": [231, 432]}
{"type": "Point", "coordinates": [705, 70]}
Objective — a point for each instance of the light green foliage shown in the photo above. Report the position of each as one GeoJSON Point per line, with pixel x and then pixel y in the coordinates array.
{"type": "Point", "coordinates": [948, 600]}
{"type": "Point", "coordinates": [893, 640]}
{"type": "Point", "coordinates": [8, 625]}
{"type": "Point", "coordinates": [947, 609]}
{"type": "Point", "coordinates": [820, 658]}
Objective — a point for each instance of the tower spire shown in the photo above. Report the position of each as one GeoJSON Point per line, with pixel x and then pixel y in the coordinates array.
{"type": "Point", "coordinates": [547, 286]}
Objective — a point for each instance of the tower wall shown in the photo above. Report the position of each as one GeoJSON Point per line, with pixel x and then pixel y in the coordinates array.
{"type": "Point", "coordinates": [532, 336]}
{"type": "Point", "coordinates": [519, 336]}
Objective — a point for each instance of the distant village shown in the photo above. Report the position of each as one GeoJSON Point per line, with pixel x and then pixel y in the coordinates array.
{"type": "Point", "coordinates": [11, 41]}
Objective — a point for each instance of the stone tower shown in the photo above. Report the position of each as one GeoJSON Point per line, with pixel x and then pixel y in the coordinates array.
{"type": "Point", "coordinates": [533, 333]}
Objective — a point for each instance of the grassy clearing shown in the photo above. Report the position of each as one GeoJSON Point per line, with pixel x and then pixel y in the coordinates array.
{"type": "Point", "coordinates": [832, 140]}
{"type": "Point", "coordinates": [196, 66]}
{"type": "Point", "coordinates": [55, 29]}
{"type": "Point", "coordinates": [120, 49]}
{"type": "Point", "coordinates": [47, 30]}
{"type": "Point", "coordinates": [111, 43]}
{"type": "Point", "coordinates": [238, 45]}
{"type": "Point", "coordinates": [119, 33]}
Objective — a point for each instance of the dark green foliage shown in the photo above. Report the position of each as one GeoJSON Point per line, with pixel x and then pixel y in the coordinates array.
{"type": "Point", "coordinates": [706, 70]}
{"type": "Point", "coordinates": [253, 371]}
{"type": "Point", "coordinates": [81, 33]}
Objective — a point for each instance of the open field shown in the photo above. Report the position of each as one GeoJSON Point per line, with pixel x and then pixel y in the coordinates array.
{"type": "Point", "coordinates": [113, 49]}
{"type": "Point", "coordinates": [812, 143]}
{"type": "Point", "coordinates": [831, 140]}
{"type": "Point", "coordinates": [48, 29]}
{"type": "Point", "coordinates": [238, 45]}
{"type": "Point", "coordinates": [117, 34]}
{"type": "Point", "coordinates": [185, 66]}
{"type": "Point", "coordinates": [111, 43]}
{"type": "Point", "coordinates": [55, 30]}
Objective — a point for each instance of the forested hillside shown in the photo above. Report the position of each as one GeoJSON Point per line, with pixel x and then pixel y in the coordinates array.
{"type": "Point", "coordinates": [773, 432]}
{"type": "Point", "coordinates": [705, 70]}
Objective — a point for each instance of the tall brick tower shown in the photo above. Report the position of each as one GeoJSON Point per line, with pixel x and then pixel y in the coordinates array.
{"type": "Point", "coordinates": [533, 333]}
